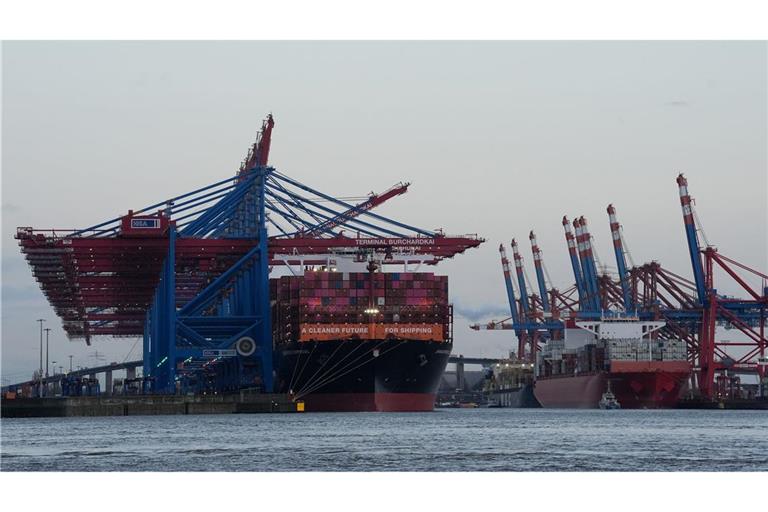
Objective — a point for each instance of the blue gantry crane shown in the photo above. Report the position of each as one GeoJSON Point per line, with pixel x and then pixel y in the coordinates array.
{"type": "Point", "coordinates": [190, 274]}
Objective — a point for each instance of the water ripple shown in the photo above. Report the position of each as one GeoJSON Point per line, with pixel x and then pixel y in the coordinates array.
{"type": "Point", "coordinates": [445, 440]}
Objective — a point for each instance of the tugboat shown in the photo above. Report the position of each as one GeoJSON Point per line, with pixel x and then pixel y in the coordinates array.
{"type": "Point", "coordinates": [608, 401]}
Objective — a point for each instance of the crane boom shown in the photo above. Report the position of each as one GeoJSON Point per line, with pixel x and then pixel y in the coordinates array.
{"type": "Point", "coordinates": [373, 201]}
{"type": "Point", "coordinates": [493, 326]}
{"type": "Point", "coordinates": [693, 241]}
{"type": "Point", "coordinates": [621, 262]}
{"type": "Point", "coordinates": [522, 336]}
{"type": "Point", "coordinates": [587, 304]}
{"type": "Point", "coordinates": [521, 280]}
{"type": "Point", "coordinates": [258, 154]}
{"type": "Point", "coordinates": [510, 287]}
{"type": "Point", "coordinates": [539, 271]}
{"type": "Point", "coordinates": [584, 241]}
{"type": "Point", "coordinates": [575, 264]}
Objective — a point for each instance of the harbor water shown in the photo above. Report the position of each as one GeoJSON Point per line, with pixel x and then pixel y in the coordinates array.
{"type": "Point", "coordinates": [443, 440]}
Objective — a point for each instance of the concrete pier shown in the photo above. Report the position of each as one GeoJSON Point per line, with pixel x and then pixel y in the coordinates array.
{"type": "Point", "coordinates": [147, 405]}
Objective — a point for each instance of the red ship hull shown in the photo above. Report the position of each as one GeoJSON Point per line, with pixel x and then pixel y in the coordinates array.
{"type": "Point", "coordinates": [637, 385]}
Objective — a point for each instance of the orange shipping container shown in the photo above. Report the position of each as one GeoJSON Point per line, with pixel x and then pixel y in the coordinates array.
{"type": "Point", "coordinates": [327, 332]}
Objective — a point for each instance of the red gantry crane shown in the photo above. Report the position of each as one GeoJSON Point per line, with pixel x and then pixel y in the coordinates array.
{"type": "Point", "coordinates": [693, 310]}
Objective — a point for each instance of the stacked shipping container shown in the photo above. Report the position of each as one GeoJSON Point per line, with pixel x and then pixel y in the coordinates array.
{"type": "Point", "coordinates": [337, 305]}
{"type": "Point", "coordinates": [590, 358]}
{"type": "Point", "coordinates": [648, 350]}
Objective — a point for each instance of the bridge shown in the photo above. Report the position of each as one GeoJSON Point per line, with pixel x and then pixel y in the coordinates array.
{"type": "Point", "coordinates": [483, 361]}
{"type": "Point", "coordinates": [49, 385]}
{"type": "Point", "coordinates": [460, 361]}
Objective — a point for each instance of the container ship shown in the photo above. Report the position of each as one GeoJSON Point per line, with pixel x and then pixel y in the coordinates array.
{"type": "Point", "coordinates": [621, 355]}
{"type": "Point", "coordinates": [361, 341]}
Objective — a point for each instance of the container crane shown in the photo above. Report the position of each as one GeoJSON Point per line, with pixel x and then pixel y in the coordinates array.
{"type": "Point", "coordinates": [588, 267]}
{"type": "Point", "coordinates": [705, 293]}
{"type": "Point", "coordinates": [525, 301]}
{"type": "Point", "coordinates": [522, 326]}
{"type": "Point", "coordinates": [621, 263]}
{"type": "Point", "coordinates": [693, 241]}
{"type": "Point", "coordinates": [592, 258]}
{"type": "Point", "coordinates": [746, 315]}
{"type": "Point", "coordinates": [692, 309]}
{"type": "Point", "coordinates": [578, 274]}
{"type": "Point", "coordinates": [513, 309]}
{"type": "Point", "coordinates": [190, 274]}
{"type": "Point", "coordinates": [539, 264]}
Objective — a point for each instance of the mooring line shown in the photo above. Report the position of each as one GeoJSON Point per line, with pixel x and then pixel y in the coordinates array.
{"type": "Point", "coordinates": [336, 377]}
{"type": "Point", "coordinates": [321, 377]}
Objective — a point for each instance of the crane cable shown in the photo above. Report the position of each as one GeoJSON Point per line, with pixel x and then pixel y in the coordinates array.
{"type": "Point", "coordinates": [626, 247]}
{"type": "Point", "coordinates": [131, 351]}
{"type": "Point", "coordinates": [699, 227]}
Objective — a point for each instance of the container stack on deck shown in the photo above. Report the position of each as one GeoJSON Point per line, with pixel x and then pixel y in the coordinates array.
{"type": "Point", "coordinates": [349, 299]}
{"type": "Point", "coordinates": [362, 341]}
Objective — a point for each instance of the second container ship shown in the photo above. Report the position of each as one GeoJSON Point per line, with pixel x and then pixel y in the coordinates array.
{"type": "Point", "coordinates": [621, 355]}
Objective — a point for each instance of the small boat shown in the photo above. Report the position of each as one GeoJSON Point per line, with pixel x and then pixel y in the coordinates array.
{"type": "Point", "coordinates": [608, 400]}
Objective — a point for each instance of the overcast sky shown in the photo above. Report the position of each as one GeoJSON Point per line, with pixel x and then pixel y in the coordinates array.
{"type": "Point", "coordinates": [497, 138]}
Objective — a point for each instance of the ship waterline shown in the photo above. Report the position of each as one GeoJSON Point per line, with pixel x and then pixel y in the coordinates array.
{"type": "Point", "coordinates": [394, 375]}
{"type": "Point", "coordinates": [641, 389]}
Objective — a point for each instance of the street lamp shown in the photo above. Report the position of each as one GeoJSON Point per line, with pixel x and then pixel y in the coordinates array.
{"type": "Point", "coordinates": [53, 365]}
{"type": "Point", "coordinates": [47, 332]}
{"type": "Point", "coordinates": [41, 320]}
{"type": "Point", "coordinates": [70, 363]}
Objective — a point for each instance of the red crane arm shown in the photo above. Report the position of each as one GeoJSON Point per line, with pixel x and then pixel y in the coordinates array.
{"type": "Point", "coordinates": [440, 247]}
{"type": "Point", "coordinates": [373, 201]}
{"type": "Point", "coordinates": [258, 154]}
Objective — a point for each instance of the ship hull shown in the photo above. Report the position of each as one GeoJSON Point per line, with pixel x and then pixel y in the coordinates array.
{"type": "Point", "coordinates": [517, 398]}
{"type": "Point", "coordinates": [363, 375]}
{"type": "Point", "coordinates": [635, 386]}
